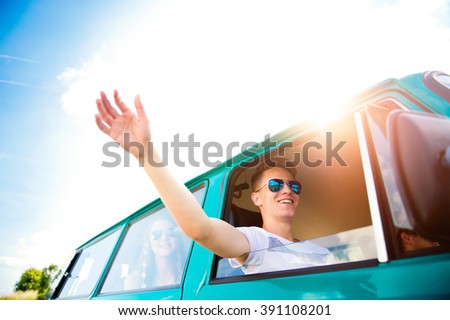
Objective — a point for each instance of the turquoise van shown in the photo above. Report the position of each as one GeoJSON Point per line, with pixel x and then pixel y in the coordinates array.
{"type": "Point", "coordinates": [376, 193]}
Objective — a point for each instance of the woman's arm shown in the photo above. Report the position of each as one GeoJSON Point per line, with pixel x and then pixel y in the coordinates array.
{"type": "Point", "coordinates": [218, 236]}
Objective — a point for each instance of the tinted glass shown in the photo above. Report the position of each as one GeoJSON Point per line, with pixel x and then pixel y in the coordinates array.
{"type": "Point", "coordinates": [89, 267]}
{"type": "Point", "coordinates": [152, 256]}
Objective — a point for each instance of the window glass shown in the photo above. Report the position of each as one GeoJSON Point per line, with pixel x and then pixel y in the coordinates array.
{"type": "Point", "coordinates": [89, 266]}
{"type": "Point", "coordinates": [376, 118]}
{"type": "Point", "coordinates": [352, 245]}
{"type": "Point", "coordinates": [332, 223]}
{"type": "Point", "coordinates": [406, 239]}
{"type": "Point", "coordinates": [342, 247]}
{"type": "Point", "coordinates": [152, 256]}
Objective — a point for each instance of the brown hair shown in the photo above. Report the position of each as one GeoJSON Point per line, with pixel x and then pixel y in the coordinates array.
{"type": "Point", "coordinates": [265, 165]}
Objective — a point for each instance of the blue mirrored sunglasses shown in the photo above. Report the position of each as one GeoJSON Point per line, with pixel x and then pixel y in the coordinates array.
{"type": "Point", "coordinates": [276, 185]}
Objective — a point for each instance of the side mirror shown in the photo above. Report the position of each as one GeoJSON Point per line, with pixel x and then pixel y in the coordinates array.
{"type": "Point", "coordinates": [420, 144]}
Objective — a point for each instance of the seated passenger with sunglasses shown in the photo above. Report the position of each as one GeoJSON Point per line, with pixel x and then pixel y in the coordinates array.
{"type": "Point", "coordinates": [161, 260]}
{"type": "Point", "coordinates": [273, 247]}
{"type": "Point", "coordinates": [254, 249]}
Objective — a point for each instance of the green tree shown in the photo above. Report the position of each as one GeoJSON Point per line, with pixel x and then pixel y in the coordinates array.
{"type": "Point", "coordinates": [48, 275]}
{"type": "Point", "coordinates": [30, 280]}
{"type": "Point", "coordinates": [38, 280]}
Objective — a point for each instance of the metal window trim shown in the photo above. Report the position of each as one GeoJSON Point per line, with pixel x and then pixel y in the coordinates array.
{"type": "Point", "coordinates": [375, 212]}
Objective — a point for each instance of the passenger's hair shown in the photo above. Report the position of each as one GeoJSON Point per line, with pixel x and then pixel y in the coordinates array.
{"type": "Point", "coordinates": [146, 263]}
{"type": "Point", "coordinates": [268, 164]}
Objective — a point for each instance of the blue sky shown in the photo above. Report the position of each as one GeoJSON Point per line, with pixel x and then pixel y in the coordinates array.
{"type": "Point", "coordinates": [267, 61]}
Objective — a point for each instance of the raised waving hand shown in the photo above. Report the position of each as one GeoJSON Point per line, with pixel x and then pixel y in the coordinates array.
{"type": "Point", "coordinates": [121, 122]}
{"type": "Point", "coordinates": [127, 128]}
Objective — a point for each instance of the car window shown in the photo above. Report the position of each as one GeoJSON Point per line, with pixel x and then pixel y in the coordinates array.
{"type": "Point", "coordinates": [376, 119]}
{"type": "Point", "coordinates": [152, 255]}
{"type": "Point", "coordinates": [332, 223]}
{"type": "Point", "coordinates": [89, 265]}
{"type": "Point", "coordinates": [405, 239]}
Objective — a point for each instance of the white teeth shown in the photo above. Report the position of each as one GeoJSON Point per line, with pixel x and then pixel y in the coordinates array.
{"type": "Point", "coordinates": [286, 201]}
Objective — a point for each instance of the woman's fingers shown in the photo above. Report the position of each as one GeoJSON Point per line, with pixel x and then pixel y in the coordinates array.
{"type": "Point", "coordinates": [104, 114]}
{"type": "Point", "coordinates": [101, 125]}
{"type": "Point", "coordinates": [107, 105]}
{"type": "Point", "coordinates": [122, 106]}
{"type": "Point", "coordinates": [140, 108]}
{"type": "Point", "coordinates": [116, 122]}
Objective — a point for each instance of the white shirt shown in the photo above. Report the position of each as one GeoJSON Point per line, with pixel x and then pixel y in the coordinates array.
{"type": "Point", "coordinates": [269, 252]}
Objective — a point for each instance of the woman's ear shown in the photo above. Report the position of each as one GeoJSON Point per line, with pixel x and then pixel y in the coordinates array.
{"type": "Point", "coordinates": [256, 199]}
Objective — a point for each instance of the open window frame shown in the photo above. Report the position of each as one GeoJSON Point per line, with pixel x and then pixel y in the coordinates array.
{"type": "Point", "coordinates": [327, 184]}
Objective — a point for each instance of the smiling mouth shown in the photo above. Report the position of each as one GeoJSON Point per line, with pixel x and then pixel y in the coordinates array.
{"type": "Point", "coordinates": [286, 201]}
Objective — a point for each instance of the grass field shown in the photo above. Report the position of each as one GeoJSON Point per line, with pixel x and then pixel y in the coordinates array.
{"type": "Point", "coordinates": [21, 295]}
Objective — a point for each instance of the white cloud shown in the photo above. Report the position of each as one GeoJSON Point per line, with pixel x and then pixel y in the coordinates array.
{"type": "Point", "coordinates": [22, 59]}
{"type": "Point", "coordinates": [191, 59]}
{"type": "Point", "coordinates": [83, 86]}
{"type": "Point", "coordinates": [260, 66]}
{"type": "Point", "coordinates": [13, 262]}
{"type": "Point", "coordinates": [13, 157]}
{"type": "Point", "coordinates": [20, 84]}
